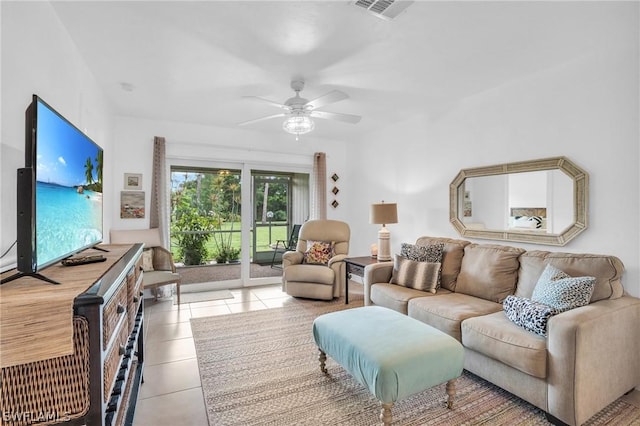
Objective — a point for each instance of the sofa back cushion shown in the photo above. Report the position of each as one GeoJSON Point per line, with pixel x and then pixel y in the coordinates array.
{"type": "Point", "coordinates": [451, 258]}
{"type": "Point", "coordinates": [489, 271]}
{"type": "Point", "coordinates": [606, 269]}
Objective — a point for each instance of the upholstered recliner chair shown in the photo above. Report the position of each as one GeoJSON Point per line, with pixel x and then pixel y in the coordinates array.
{"type": "Point", "coordinates": [316, 270]}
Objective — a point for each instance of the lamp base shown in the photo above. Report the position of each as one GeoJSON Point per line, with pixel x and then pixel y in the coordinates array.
{"type": "Point", "coordinates": [384, 245]}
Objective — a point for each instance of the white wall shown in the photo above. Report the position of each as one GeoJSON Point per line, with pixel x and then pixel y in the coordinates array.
{"type": "Point", "coordinates": [210, 146]}
{"type": "Point", "coordinates": [39, 57]}
{"type": "Point", "coordinates": [586, 110]}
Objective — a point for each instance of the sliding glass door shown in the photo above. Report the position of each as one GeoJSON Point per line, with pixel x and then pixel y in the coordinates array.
{"type": "Point", "coordinates": [208, 233]}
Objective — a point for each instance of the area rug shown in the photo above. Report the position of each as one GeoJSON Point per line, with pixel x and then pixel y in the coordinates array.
{"type": "Point", "coordinates": [202, 296]}
{"type": "Point", "coordinates": [261, 368]}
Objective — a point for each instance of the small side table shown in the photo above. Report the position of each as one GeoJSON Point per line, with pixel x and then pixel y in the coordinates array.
{"type": "Point", "coordinates": [355, 266]}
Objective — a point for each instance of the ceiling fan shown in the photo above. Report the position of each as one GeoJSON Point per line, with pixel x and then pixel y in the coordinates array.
{"type": "Point", "coordinates": [300, 111]}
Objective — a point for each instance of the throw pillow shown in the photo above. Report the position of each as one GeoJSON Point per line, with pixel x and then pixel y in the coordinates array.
{"type": "Point", "coordinates": [424, 253]}
{"type": "Point", "coordinates": [318, 252]}
{"type": "Point", "coordinates": [530, 315]}
{"type": "Point", "coordinates": [418, 275]}
{"type": "Point", "coordinates": [562, 292]}
{"type": "Point", "coordinates": [428, 253]}
{"type": "Point", "coordinates": [147, 259]}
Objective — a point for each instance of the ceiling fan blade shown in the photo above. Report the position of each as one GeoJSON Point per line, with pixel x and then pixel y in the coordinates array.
{"type": "Point", "coordinates": [268, 117]}
{"type": "Point", "coordinates": [270, 102]}
{"type": "Point", "coordinates": [347, 118]}
{"type": "Point", "coordinates": [328, 98]}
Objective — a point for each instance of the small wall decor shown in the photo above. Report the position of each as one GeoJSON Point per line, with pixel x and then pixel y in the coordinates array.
{"type": "Point", "coordinates": [132, 204]}
{"type": "Point", "coordinates": [335, 190]}
{"type": "Point", "coordinates": [132, 181]}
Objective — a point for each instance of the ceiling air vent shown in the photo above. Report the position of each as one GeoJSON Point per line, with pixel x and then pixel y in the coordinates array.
{"type": "Point", "coordinates": [385, 9]}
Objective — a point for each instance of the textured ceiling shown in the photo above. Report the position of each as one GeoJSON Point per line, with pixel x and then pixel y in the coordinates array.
{"type": "Point", "coordinates": [194, 61]}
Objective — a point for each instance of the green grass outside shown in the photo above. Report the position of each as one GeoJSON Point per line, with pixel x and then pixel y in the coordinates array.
{"type": "Point", "coordinates": [278, 232]}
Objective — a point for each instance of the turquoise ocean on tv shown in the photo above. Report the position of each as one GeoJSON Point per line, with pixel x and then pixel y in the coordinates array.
{"type": "Point", "coordinates": [66, 220]}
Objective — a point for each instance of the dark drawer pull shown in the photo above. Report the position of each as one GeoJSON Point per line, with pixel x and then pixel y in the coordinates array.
{"type": "Point", "coordinates": [120, 309]}
{"type": "Point", "coordinates": [135, 299]}
{"type": "Point", "coordinates": [121, 350]}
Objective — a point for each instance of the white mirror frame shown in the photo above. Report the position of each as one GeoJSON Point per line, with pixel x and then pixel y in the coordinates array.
{"type": "Point", "coordinates": [580, 201]}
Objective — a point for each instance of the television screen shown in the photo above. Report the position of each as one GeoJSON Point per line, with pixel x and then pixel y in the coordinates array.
{"type": "Point", "coordinates": [63, 215]}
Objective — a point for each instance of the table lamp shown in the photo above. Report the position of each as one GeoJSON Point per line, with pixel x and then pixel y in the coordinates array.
{"type": "Point", "coordinates": [382, 214]}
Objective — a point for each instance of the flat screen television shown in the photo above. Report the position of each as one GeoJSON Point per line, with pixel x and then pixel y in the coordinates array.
{"type": "Point", "coordinates": [59, 191]}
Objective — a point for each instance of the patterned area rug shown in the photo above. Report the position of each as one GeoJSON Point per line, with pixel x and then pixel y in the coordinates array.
{"type": "Point", "coordinates": [261, 368]}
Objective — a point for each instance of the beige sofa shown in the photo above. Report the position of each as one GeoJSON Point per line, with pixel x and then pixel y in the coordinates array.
{"type": "Point", "coordinates": [591, 355]}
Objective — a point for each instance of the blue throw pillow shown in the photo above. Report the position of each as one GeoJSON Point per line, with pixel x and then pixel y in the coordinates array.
{"type": "Point", "coordinates": [562, 292]}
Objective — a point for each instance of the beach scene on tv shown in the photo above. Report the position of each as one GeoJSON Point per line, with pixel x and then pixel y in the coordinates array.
{"type": "Point", "coordinates": [68, 188]}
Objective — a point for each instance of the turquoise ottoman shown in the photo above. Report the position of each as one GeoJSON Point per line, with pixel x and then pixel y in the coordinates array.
{"type": "Point", "coordinates": [391, 354]}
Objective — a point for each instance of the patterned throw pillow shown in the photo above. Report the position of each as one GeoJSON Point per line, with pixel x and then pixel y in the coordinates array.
{"type": "Point", "coordinates": [530, 315]}
{"type": "Point", "coordinates": [430, 253]}
{"type": "Point", "coordinates": [318, 252]}
{"type": "Point", "coordinates": [562, 292]}
{"type": "Point", "coordinates": [418, 275]}
{"type": "Point", "coordinates": [147, 259]}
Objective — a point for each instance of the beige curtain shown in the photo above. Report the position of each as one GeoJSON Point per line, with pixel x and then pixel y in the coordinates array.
{"type": "Point", "coordinates": [319, 189]}
{"type": "Point", "coordinates": [158, 206]}
{"type": "Point", "coordinates": [300, 198]}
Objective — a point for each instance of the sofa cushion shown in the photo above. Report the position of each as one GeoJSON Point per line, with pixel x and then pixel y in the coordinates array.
{"type": "Point", "coordinates": [149, 237]}
{"type": "Point", "coordinates": [606, 269]}
{"type": "Point", "coordinates": [147, 259]}
{"type": "Point", "coordinates": [396, 297]}
{"type": "Point", "coordinates": [489, 271]}
{"type": "Point", "coordinates": [530, 315]}
{"type": "Point", "coordinates": [451, 258]}
{"type": "Point", "coordinates": [446, 311]}
{"type": "Point", "coordinates": [560, 291]}
{"type": "Point", "coordinates": [418, 275]}
{"type": "Point", "coordinates": [496, 337]}
{"type": "Point", "coordinates": [318, 252]}
{"type": "Point", "coordinates": [319, 274]}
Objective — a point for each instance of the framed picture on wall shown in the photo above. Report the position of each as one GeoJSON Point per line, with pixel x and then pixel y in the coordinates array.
{"type": "Point", "coordinates": [132, 181]}
{"type": "Point", "coordinates": [132, 204]}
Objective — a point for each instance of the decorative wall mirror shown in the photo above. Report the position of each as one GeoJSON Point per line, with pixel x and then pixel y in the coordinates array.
{"type": "Point", "coordinates": [540, 201]}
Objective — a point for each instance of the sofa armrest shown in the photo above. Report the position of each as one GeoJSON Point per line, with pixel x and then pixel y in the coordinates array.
{"type": "Point", "coordinates": [592, 357]}
{"type": "Point", "coordinates": [291, 258]}
{"type": "Point", "coordinates": [375, 273]}
{"type": "Point", "coordinates": [338, 258]}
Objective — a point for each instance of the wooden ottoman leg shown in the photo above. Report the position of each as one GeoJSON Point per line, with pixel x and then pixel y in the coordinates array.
{"type": "Point", "coordinates": [385, 413]}
{"type": "Point", "coordinates": [451, 392]}
{"type": "Point", "coordinates": [322, 357]}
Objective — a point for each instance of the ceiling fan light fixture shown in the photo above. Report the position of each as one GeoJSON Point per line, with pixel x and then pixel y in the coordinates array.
{"type": "Point", "coordinates": [298, 124]}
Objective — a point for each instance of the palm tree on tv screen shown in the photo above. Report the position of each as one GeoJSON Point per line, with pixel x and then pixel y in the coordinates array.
{"type": "Point", "coordinates": [88, 171]}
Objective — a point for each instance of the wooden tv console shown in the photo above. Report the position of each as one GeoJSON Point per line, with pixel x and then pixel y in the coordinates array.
{"type": "Point", "coordinates": [96, 382]}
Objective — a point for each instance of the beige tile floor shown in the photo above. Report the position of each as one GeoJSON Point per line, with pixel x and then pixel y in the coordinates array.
{"type": "Point", "coordinates": [172, 392]}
